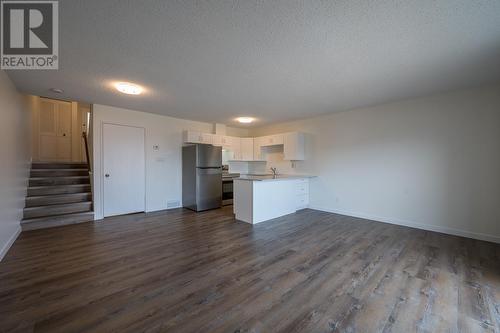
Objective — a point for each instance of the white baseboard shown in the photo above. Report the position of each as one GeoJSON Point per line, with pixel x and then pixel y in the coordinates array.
{"type": "Point", "coordinates": [428, 227]}
{"type": "Point", "coordinates": [11, 241]}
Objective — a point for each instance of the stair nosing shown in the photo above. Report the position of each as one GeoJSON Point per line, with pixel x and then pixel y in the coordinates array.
{"type": "Point", "coordinates": [61, 169]}
{"type": "Point", "coordinates": [57, 177]}
{"type": "Point", "coordinates": [52, 162]}
{"type": "Point", "coordinates": [32, 219]}
{"type": "Point", "coordinates": [58, 195]}
{"type": "Point", "coordinates": [59, 204]}
{"type": "Point", "coordinates": [52, 186]}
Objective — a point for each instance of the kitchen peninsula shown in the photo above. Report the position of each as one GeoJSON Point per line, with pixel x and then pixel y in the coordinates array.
{"type": "Point", "coordinates": [261, 198]}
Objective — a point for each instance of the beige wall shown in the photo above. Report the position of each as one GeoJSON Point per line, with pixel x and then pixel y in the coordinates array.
{"type": "Point", "coordinates": [15, 152]}
{"type": "Point", "coordinates": [238, 132]}
{"type": "Point", "coordinates": [432, 163]}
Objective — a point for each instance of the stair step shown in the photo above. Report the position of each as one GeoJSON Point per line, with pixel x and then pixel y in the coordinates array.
{"type": "Point", "coordinates": [51, 181]}
{"type": "Point", "coordinates": [51, 210]}
{"type": "Point", "coordinates": [55, 221]}
{"type": "Point", "coordinates": [49, 165]}
{"type": "Point", "coordinates": [45, 200]}
{"type": "Point", "coordinates": [59, 189]}
{"type": "Point", "coordinates": [58, 172]}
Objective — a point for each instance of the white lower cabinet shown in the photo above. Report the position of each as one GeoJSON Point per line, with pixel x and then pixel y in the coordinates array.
{"type": "Point", "coordinates": [302, 193]}
{"type": "Point", "coordinates": [257, 201]}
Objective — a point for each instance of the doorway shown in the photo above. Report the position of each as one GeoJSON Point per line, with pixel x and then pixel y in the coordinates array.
{"type": "Point", "coordinates": [123, 174]}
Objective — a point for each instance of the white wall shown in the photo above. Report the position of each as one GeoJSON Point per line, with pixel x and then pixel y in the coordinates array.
{"type": "Point", "coordinates": [163, 167]}
{"type": "Point", "coordinates": [15, 152]}
{"type": "Point", "coordinates": [432, 163]}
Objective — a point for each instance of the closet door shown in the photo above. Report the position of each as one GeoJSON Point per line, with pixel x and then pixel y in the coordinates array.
{"type": "Point", "coordinates": [64, 131]}
{"type": "Point", "coordinates": [124, 180]}
{"type": "Point", "coordinates": [54, 142]}
{"type": "Point", "coordinates": [47, 141]}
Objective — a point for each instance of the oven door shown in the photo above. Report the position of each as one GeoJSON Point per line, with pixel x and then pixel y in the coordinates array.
{"type": "Point", "coordinates": [227, 192]}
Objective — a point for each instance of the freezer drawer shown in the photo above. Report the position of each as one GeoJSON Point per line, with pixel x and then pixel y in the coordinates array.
{"type": "Point", "coordinates": [209, 189]}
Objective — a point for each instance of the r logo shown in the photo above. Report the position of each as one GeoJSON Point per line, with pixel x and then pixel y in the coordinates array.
{"type": "Point", "coordinates": [27, 28]}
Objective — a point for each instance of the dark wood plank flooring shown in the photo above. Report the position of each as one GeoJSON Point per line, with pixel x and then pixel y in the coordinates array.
{"type": "Point", "coordinates": [179, 271]}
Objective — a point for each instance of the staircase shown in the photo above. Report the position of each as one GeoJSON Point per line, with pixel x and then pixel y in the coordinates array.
{"type": "Point", "coordinates": [58, 194]}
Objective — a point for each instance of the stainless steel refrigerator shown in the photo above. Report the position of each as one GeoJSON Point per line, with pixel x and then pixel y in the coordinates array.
{"type": "Point", "coordinates": [201, 177]}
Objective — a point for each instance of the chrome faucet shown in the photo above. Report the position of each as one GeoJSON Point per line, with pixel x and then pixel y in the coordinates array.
{"type": "Point", "coordinates": [275, 172]}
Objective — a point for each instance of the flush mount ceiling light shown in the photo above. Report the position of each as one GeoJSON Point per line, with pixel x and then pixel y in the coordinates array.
{"type": "Point", "coordinates": [245, 120]}
{"type": "Point", "coordinates": [128, 88]}
{"type": "Point", "coordinates": [56, 90]}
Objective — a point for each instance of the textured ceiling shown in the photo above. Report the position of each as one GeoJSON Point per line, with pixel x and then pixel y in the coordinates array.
{"type": "Point", "coordinates": [276, 60]}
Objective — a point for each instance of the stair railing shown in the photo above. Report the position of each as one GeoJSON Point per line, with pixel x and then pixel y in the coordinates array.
{"type": "Point", "coordinates": [84, 135]}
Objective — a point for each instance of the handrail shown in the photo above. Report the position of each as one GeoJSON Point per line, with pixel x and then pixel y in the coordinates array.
{"type": "Point", "coordinates": [84, 135]}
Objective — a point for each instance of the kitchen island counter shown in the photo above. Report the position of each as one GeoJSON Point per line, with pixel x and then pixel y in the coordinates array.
{"type": "Point", "coordinates": [272, 177]}
{"type": "Point", "coordinates": [258, 198]}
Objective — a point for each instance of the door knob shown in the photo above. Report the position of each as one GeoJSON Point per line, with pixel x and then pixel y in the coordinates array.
{"type": "Point", "coordinates": [106, 175]}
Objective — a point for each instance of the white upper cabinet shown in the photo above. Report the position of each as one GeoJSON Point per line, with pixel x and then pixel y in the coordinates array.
{"type": "Point", "coordinates": [294, 146]}
{"type": "Point", "coordinates": [246, 150]}
{"type": "Point", "coordinates": [217, 140]}
{"type": "Point", "coordinates": [271, 140]}
{"type": "Point", "coordinates": [233, 144]}
{"type": "Point", "coordinates": [250, 149]}
{"type": "Point", "coordinates": [206, 138]}
{"type": "Point", "coordinates": [198, 137]}
{"type": "Point", "coordinates": [258, 143]}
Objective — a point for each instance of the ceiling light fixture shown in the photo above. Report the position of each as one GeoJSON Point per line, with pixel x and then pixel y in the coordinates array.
{"type": "Point", "coordinates": [56, 90]}
{"type": "Point", "coordinates": [128, 88]}
{"type": "Point", "coordinates": [245, 120]}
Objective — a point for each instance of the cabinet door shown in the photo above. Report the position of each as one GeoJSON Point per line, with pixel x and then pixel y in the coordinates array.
{"type": "Point", "coordinates": [247, 149]}
{"type": "Point", "coordinates": [294, 146]}
{"type": "Point", "coordinates": [276, 139]}
{"type": "Point", "coordinates": [218, 140]}
{"type": "Point", "coordinates": [257, 148]}
{"type": "Point", "coordinates": [206, 138]}
{"type": "Point", "coordinates": [271, 140]}
{"type": "Point", "coordinates": [229, 142]}
{"type": "Point", "coordinates": [302, 193]}
{"type": "Point", "coordinates": [192, 137]}
{"type": "Point", "coordinates": [234, 145]}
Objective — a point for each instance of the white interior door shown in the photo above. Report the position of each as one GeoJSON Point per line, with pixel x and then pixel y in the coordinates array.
{"type": "Point", "coordinates": [64, 131]}
{"type": "Point", "coordinates": [47, 142]}
{"type": "Point", "coordinates": [123, 169]}
{"type": "Point", "coordinates": [54, 130]}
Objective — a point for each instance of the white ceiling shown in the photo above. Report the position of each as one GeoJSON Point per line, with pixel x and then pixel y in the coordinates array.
{"type": "Point", "coordinates": [276, 60]}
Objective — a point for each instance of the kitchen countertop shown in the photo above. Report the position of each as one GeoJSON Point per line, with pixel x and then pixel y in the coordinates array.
{"type": "Point", "coordinates": [271, 177]}
{"type": "Point", "coordinates": [230, 175]}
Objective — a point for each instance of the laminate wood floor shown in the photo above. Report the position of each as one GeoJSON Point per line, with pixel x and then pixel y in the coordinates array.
{"type": "Point", "coordinates": [180, 271]}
